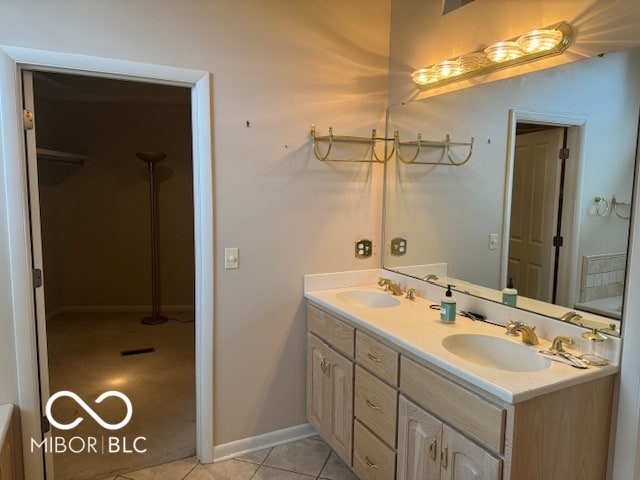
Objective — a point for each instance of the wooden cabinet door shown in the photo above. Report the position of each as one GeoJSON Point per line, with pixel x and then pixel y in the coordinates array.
{"type": "Point", "coordinates": [464, 460]}
{"type": "Point", "coordinates": [330, 396]}
{"type": "Point", "coordinates": [419, 436]}
{"type": "Point", "coordinates": [340, 377]}
{"type": "Point", "coordinates": [318, 407]}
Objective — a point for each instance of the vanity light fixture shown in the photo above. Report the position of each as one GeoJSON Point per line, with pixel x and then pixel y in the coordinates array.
{"type": "Point", "coordinates": [528, 47]}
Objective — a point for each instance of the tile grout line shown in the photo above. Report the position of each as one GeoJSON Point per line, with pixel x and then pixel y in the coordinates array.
{"type": "Point", "coordinates": [192, 469]}
{"type": "Point", "coordinates": [280, 469]}
{"type": "Point", "coordinates": [326, 460]}
{"type": "Point", "coordinates": [261, 463]}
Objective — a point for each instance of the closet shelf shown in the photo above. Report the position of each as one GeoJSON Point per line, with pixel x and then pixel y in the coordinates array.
{"type": "Point", "coordinates": [331, 139]}
{"type": "Point", "coordinates": [57, 156]}
{"type": "Point", "coordinates": [420, 143]}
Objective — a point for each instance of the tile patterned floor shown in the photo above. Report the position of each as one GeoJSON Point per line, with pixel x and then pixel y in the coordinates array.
{"type": "Point", "coordinates": [306, 459]}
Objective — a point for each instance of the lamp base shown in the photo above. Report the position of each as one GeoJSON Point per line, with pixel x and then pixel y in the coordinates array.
{"type": "Point", "coordinates": [154, 320]}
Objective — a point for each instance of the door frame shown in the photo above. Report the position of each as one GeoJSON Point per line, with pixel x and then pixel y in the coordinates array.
{"type": "Point", "coordinates": [570, 263]}
{"type": "Point", "coordinates": [12, 162]}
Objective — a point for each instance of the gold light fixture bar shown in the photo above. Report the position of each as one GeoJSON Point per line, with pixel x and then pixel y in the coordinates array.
{"type": "Point", "coordinates": [528, 47]}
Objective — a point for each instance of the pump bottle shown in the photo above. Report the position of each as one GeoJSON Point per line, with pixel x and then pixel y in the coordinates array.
{"type": "Point", "coordinates": [510, 294]}
{"type": "Point", "coordinates": [448, 307]}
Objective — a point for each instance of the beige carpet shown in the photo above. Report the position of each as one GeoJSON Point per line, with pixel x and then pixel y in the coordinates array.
{"type": "Point", "coordinates": [85, 358]}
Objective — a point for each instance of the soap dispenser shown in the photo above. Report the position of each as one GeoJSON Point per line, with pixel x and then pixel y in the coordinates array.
{"type": "Point", "coordinates": [510, 294]}
{"type": "Point", "coordinates": [448, 307]}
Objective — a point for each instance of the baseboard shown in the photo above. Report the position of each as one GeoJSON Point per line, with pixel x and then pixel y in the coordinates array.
{"type": "Point", "coordinates": [230, 450]}
{"type": "Point", "coordinates": [117, 309]}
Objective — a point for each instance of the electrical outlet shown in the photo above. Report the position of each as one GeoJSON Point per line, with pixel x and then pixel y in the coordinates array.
{"type": "Point", "coordinates": [364, 248]}
{"type": "Point", "coordinates": [398, 246]}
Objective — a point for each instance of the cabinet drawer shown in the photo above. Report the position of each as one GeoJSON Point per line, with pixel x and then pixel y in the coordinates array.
{"type": "Point", "coordinates": [331, 330]}
{"type": "Point", "coordinates": [466, 411]}
{"type": "Point", "coordinates": [376, 405]}
{"type": "Point", "coordinates": [372, 459]}
{"type": "Point", "coordinates": [377, 357]}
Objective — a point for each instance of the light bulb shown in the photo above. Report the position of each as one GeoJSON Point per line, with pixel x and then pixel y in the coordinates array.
{"type": "Point", "coordinates": [503, 51]}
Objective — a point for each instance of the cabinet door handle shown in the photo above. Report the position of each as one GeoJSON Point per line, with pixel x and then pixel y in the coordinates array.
{"type": "Point", "coordinates": [373, 358]}
{"type": "Point", "coordinates": [369, 463]}
{"type": "Point", "coordinates": [444, 458]}
{"type": "Point", "coordinates": [325, 366]}
{"type": "Point", "coordinates": [433, 449]}
{"type": "Point", "coordinates": [372, 405]}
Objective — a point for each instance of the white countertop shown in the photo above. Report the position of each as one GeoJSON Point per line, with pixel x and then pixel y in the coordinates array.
{"type": "Point", "coordinates": [417, 329]}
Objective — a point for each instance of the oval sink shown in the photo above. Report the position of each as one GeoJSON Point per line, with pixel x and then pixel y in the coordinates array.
{"type": "Point", "coordinates": [495, 352]}
{"type": "Point", "coordinates": [368, 298]}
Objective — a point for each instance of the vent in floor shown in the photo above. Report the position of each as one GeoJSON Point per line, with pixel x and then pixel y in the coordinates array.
{"type": "Point", "coordinates": [137, 351]}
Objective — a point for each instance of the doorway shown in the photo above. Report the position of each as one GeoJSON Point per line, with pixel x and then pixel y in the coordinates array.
{"type": "Point", "coordinates": [94, 196]}
{"type": "Point", "coordinates": [19, 255]}
{"type": "Point", "coordinates": [544, 186]}
{"type": "Point", "coordinates": [536, 210]}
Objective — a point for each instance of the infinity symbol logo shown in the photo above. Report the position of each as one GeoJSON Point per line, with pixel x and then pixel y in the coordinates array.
{"type": "Point", "coordinates": [89, 410]}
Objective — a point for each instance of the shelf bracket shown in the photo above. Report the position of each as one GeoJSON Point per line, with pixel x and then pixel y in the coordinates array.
{"type": "Point", "coordinates": [332, 139]}
{"type": "Point", "coordinates": [419, 144]}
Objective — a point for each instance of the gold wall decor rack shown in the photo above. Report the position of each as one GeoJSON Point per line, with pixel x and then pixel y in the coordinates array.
{"type": "Point", "coordinates": [419, 144]}
{"type": "Point", "coordinates": [331, 139]}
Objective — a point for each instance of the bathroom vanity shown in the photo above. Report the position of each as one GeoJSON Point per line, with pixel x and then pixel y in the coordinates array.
{"type": "Point", "coordinates": [395, 403]}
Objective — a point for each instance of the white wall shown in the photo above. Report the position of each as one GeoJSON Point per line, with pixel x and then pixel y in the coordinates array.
{"type": "Point", "coordinates": [281, 66]}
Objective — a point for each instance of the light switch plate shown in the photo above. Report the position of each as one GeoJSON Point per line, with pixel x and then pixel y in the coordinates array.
{"type": "Point", "coordinates": [231, 258]}
{"type": "Point", "coordinates": [493, 241]}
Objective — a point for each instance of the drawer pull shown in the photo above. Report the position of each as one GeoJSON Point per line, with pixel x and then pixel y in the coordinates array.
{"type": "Point", "coordinates": [372, 405]}
{"type": "Point", "coordinates": [373, 358]}
{"type": "Point", "coordinates": [433, 449]}
{"type": "Point", "coordinates": [444, 458]}
{"type": "Point", "coordinates": [369, 463]}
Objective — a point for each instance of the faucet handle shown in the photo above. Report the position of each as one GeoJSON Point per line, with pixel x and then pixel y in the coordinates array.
{"type": "Point", "coordinates": [412, 293]}
{"type": "Point", "coordinates": [512, 328]}
{"type": "Point", "coordinates": [556, 345]}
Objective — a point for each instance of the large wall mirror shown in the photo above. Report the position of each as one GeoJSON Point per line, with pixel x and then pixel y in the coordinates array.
{"type": "Point", "coordinates": [520, 211]}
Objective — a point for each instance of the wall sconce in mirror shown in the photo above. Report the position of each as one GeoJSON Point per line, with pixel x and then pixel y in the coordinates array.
{"type": "Point", "coordinates": [534, 45]}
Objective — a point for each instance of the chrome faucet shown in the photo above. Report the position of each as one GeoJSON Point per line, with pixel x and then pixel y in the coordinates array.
{"type": "Point", "coordinates": [389, 286]}
{"type": "Point", "coordinates": [528, 333]}
{"type": "Point", "coordinates": [571, 316]}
